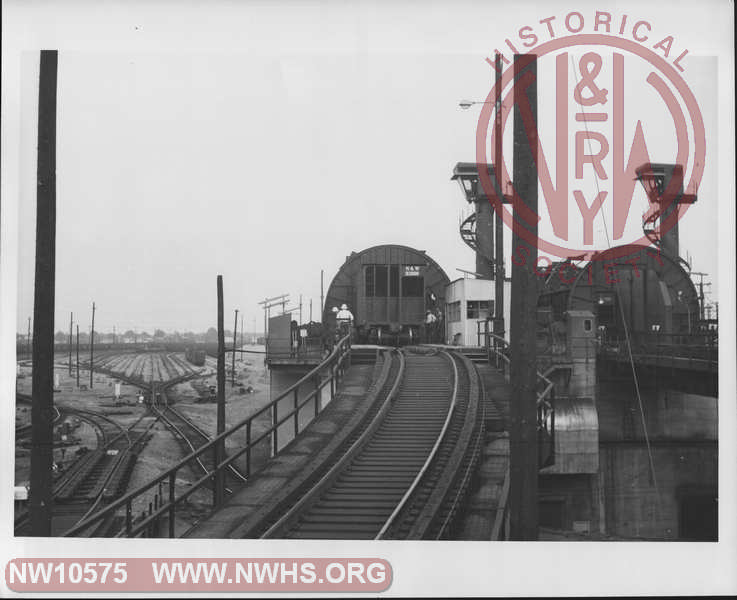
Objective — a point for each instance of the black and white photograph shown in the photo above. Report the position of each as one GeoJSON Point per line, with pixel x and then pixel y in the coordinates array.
{"type": "Point", "coordinates": [389, 298]}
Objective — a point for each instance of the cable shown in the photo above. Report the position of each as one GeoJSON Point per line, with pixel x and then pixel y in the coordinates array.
{"type": "Point", "coordinates": [621, 311]}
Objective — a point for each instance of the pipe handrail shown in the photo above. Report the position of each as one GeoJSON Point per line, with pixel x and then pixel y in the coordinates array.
{"type": "Point", "coordinates": [334, 362]}
{"type": "Point", "coordinates": [501, 518]}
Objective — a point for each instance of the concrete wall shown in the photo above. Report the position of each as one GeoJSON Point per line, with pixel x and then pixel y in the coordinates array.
{"type": "Point", "coordinates": [281, 379]}
{"type": "Point", "coordinates": [632, 506]}
{"type": "Point", "coordinates": [621, 499]}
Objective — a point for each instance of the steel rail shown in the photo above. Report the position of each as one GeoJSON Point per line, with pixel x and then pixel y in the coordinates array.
{"type": "Point", "coordinates": [348, 455]}
{"type": "Point", "coordinates": [334, 363]}
{"type": "Point", "coordinates": [390, 521]}
{"type": "Point", "coordinates": [232, 469]}
{"type": "Point", "coordinates": [470, 464]}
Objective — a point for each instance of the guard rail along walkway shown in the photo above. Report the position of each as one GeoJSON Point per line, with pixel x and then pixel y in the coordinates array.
{"type": "Point", "coordinates": [496, 347]}
{"type": "Point", "coordinates": [328, 373]}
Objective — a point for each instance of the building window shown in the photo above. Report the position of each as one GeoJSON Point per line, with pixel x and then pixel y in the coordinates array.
{"type": "Point", "coordinates": [477, 309]}
{"type": "Point", "coordinates": [394, 281]}
{"type": "Point", "coordinates": [369, 273]}
{"type": "Point", "coordinates": [377, 284]}
{"type": "Point", "coordinates": [413, 286]}
{"type": "Point", "coordinates": [382, 281]}
{"type": "Point", "coordinates": [454, 312]}
{"type": "Point", "coordinates": [587, 324]}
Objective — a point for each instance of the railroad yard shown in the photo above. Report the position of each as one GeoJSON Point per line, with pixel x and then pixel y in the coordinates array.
{"type": "Point", "coordinates": [111, 438]}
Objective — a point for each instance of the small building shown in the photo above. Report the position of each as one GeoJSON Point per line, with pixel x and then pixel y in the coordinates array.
{"type": "Point", "coordinates": [468, 306]}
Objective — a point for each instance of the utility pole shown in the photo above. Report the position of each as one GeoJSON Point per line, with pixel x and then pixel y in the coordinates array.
{"type": "Point", "coordinates": [220, 446]}
{"type": "Point", "coordinates": [322, 295]}
{"type": "Point", "coordinates": [235, 327]}
{"type": "Point", "coordinates": [28, 338]}
{"type": "Point", "coordinates": [310, 310]}
{"type": "Point", "coordinates": [300, 309]}
{"type": "Point", "coordinates": [267, 304]}
{"type": "Point", "coordinates": [701, 292]}
{"type": "Point", "coordinates": [42, 409]}
{"type": "Point", "coordinates": [523, 367]}
{"type": "Point", "coordinates": [92, 345]}
{"type": "Point", "coordinates": [77, 356]}
{"type": "Point", "coordinates": [71, 322]}
{"type": "Point", "coordinates": [499, 219]}
{"type": "Point", "coordinates": [265, 320]}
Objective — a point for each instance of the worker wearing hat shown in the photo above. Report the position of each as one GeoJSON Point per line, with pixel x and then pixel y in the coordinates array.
{"type": "Point", "coordinates": [344, 318]}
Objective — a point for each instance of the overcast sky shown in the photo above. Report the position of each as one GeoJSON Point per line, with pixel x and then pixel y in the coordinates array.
{"type": "Point", "coordinates": [266, 166]}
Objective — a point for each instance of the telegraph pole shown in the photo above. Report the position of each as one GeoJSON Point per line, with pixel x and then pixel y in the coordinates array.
{"type": "Point", "coordinates": [92, 344]}
{"type": "Point", "coordinates": [77, 355]}
{"type": "Point", "coordinates": [310, 310]}
{"type": "Point", "coordinates": [265, 321]}
{"type": "Point", "coordinates": [235, 327]}
{"type": "Point", "coordinates": [71, 322]}
{"type": "Point", "coordinates": [701, 292]}
{"type": "Point", "coordinates": [300, 309]}
{"type": "Point", "coordinates": [523, 367]}
{"type": "Point", "coordinates": [322, 295]}
{"type": "Point", "coordinates": [267, 304]}
{"type": "Point", "coordinates": [42, 410]}
{"type": "Point", "coordinates": [28, 338]}
{"type": "Point", "coordinates": [220, 446]}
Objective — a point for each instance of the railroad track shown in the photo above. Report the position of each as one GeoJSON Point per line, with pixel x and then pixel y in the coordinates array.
{"type": "Point", "coordinates": [191, 437]}
{"type": "Point", "coordinates": [404, 475]}
{"type": "Point", "coordinates": [24, 431]}
{"type": "Point", "coordinates": [102, 474]}
{"type": "Point", "coordinates": [99, 476]}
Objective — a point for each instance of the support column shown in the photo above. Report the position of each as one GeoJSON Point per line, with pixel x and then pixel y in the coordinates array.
{"type": "Point", "coordinates": [42, 410]}
{"type": "Point", "coordinates": [523, 409]}
{"type": "Point", "coordinates": [220, 446]}
{"type": "Point", "coordinates": [499, 221]}
{"type": "Point", "coordinates": [484, 239]}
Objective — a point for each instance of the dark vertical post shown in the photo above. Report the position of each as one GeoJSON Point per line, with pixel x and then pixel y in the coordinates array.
{"type": "Point", "coordinates": [42, 411]}
{"type": "Point", "coordinates": [220, 446]}
{"type": "Point", "coordinates": [300, 309]}
{"type": "Point", "coordinates": [92, 345]}
{"type": "Point", "coordinates": [265, 322]}
{"type": "Point", "coordinates": [523, 434]}
{"type": "Point", "coordinates": [310, 310]}
{"type": "Point", "coordinates": [71, 324]}
{"type": "Point", "coordinates": [77, 355]}
{"type": "Point", "coordinates": [28, 338]}
{"type": "Point", "coordinates": [499, 267]}
{"type": "Point", "coordinates": [322, 295]}
{"type": "Point", "coordinates": [235, 333]}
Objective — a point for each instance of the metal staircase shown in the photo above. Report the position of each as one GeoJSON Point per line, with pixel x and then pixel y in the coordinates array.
{"type": "Point", "coordinates": [655, 178]}
{"type": "Point", "coordinates": [468, 232]}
